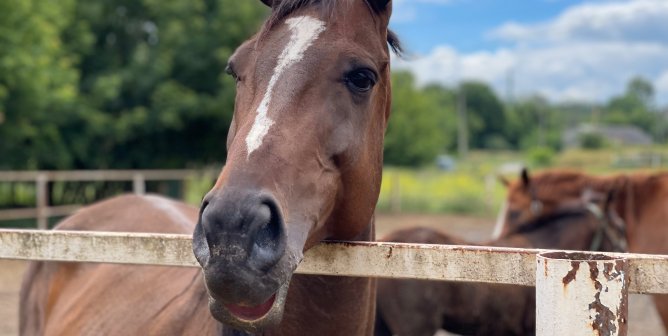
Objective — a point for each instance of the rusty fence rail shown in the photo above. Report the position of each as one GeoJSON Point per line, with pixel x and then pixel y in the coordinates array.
{"type": "Point", "coordinates": [42, 210]}
{"type": "Point", "coordinates": [578, 293]}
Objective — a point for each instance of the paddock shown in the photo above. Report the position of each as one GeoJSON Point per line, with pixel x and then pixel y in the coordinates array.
{"type": "Point", "coordinates": [512, 266]}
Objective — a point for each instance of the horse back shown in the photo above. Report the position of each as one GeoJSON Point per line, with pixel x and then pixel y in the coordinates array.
{"type": "Point", "coordinates": [60, 298]}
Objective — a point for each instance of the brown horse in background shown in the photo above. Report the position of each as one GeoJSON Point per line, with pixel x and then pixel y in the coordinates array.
{"type": "Point", "coordinates": [304, 165]}
{"type": "Point", "coordinates": [641, 202]}
{"type": "Point", "coordinates": [418, 307]}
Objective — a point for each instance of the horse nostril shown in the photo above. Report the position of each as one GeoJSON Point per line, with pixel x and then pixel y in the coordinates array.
{"type": "Point", "coordinates": [269, 242]}
{"type": "Point", "coordinates": [269, 233]}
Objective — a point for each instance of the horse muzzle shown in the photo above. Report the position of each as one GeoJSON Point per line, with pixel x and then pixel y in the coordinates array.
{"type": "Point", "coordinates": [240, 242]}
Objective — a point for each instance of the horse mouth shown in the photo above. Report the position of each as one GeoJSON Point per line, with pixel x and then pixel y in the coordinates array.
{"type": "Point", "coordinates": [252, 318]}
{"type": "Point", "coordinates": [251, 313]}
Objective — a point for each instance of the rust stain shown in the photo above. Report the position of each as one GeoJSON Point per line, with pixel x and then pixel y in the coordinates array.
{"type": "Point", "coordinates": [603, 320]}
{"type": "Point", "coordinates": [570, 276]}
{"type": "Point", "coordinates": [389, 253]}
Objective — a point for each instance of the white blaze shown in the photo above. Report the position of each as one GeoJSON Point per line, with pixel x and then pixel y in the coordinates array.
{"type": "Point", "coordinates": [305, 30]}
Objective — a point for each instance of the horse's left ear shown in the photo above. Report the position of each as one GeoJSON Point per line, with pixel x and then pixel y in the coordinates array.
{"type": "Point", "coordinates": [378, 5]}
{"type": "Point", "coordinates": [525, 177]}
{"type": "Point", "coordinates": [269, 3]}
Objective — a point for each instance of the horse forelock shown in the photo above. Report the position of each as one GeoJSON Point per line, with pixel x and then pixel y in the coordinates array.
{"type": "Point", "coordinates": [327, 9]}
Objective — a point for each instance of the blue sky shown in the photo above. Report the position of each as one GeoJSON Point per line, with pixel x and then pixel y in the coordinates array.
{"type": "Point", "coordinates": [582, 50]}
{"type": "Point", "coordinates": [464, 23]}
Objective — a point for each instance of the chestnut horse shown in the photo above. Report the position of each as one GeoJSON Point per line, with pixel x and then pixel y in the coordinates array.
{"type": "Point", "coordinates": [419, 307]}
{"type": "Point", "coordinates": [641, 202]}
{"type": "Point", "coordinates": [304, 165]}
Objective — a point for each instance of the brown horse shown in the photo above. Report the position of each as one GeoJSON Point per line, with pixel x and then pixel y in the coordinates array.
{"type": "Point", "coordinates": [418, 307]}
{"type": "Point", "coordinates": [642, 204]}
{"type": "Point", "coordinates": [304, 165]}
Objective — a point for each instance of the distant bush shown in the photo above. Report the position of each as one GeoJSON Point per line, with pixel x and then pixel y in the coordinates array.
{"type": "Point", "coordinates": [540, 156]}
{"type": "Point", "coordinates": [592, 140]}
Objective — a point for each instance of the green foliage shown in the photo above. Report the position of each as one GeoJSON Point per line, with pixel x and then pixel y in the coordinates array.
{"type": "Point", "coordinates": [140, 84]}
{"type": "Point", "coordinates": [635, 107]}
{"type": "Point", "coordinates": [38, 83]}
{"type": "Point", "coordinates": [540, 157]}
{"type": "Point", "coordinates": [485, 115]}
{"type": "Point", "coordinates": [462, 192]}
{"type": "Point", "coordinates": [592, 140]}
{"type": "Point", "coordinates": [419, 122]}
{"type": "Point", "coordinates": [118, 83]}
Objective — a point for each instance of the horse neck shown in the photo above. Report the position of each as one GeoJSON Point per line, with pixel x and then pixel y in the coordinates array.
{"type": "Point", "coordinates": [625, 190]}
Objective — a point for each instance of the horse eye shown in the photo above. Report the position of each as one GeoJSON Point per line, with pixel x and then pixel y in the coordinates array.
{"type": "Point", "coordinates": [230, 71]}
{"type": "Point", "coordinates": [360, 80]}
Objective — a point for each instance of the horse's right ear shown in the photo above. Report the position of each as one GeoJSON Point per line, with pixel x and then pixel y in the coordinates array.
{"type": "Point", "coordinates": [525, 177]}
{"type": "Point", "coordinates": [269, 3]}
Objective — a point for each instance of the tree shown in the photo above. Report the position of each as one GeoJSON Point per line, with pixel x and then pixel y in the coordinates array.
{"type": "Point", "coordinates": [533, 122]}
{"type": "Point", "coordinates": [417, 132]}
{"type": "Point", "coordinates": [38, 83]}
{"type": "Point", "coordinates": [118, 83]}
{"type": "Point", "coordinates": [635, 107]}
{"type": "Point", "coordinates": [485, 115]}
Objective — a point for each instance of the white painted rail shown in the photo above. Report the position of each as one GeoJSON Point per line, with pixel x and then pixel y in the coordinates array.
{"type": "Point", "coordinates": [647, 273]}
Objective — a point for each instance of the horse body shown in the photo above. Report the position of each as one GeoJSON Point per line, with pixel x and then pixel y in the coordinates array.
{"type": "Point", "coordinates": [59, 298]}
{"type": "Point", "coordinates": [304, 164]}
{"type": "Point", "coordinates": [419, 307]}
{"type": "Point", "coordinates": [641, 200]}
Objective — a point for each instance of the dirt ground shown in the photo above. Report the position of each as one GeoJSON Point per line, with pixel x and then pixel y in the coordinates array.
{"type": "Point", "coordinates": [643, 319]}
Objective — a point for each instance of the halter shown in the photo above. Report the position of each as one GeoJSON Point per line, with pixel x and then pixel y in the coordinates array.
{"type": "Point", "coordinates": [611, 226]}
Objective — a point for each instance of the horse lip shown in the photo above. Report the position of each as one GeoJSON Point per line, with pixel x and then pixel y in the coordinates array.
{"type": "Point", "coordinates": [251, 313]}
{"type": "Point", "coordinates": [252, 324]}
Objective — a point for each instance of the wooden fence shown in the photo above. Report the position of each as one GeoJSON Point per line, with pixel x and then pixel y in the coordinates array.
{"type": "Point", "coordinates": [43, 211]}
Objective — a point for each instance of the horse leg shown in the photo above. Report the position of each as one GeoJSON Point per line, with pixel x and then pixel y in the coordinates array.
{"type": "Point", "coordinates": [661, 303]}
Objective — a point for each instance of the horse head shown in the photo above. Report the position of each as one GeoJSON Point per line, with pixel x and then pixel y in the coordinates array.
{"type": "Point", "coordinates": [531, 198]}
{"type": "Point", "coordinates": [304, 151]}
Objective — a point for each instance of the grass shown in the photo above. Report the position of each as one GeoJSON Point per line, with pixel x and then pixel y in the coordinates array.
{"type": "Point", "coordinates": [433, 191]}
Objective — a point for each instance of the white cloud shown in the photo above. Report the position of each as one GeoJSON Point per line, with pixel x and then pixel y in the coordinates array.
{"type": "Point", "coordinates": [588, 52]}
{"type": "Point", "coordinates": [639, 20]}
{"type": "Point", "coordinates": [661, 85]}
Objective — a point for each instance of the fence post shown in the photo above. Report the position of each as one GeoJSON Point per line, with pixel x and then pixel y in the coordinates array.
{"type": "Point", "coordinates": [579, 294]}
{"type": "Point", "coordinates": [138, 184]}
{"type": "Point", "coordinates": [42, 201]}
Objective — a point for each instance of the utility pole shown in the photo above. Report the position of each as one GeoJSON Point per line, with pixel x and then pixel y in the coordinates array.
{"type": "Point", "coordinates": [462, 124]}
{"type": "Point", "coordinates": [541, 125]}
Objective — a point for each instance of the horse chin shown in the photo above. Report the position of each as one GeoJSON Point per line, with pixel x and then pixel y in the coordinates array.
{"type": "Point", "coordinates": [252, 319]}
